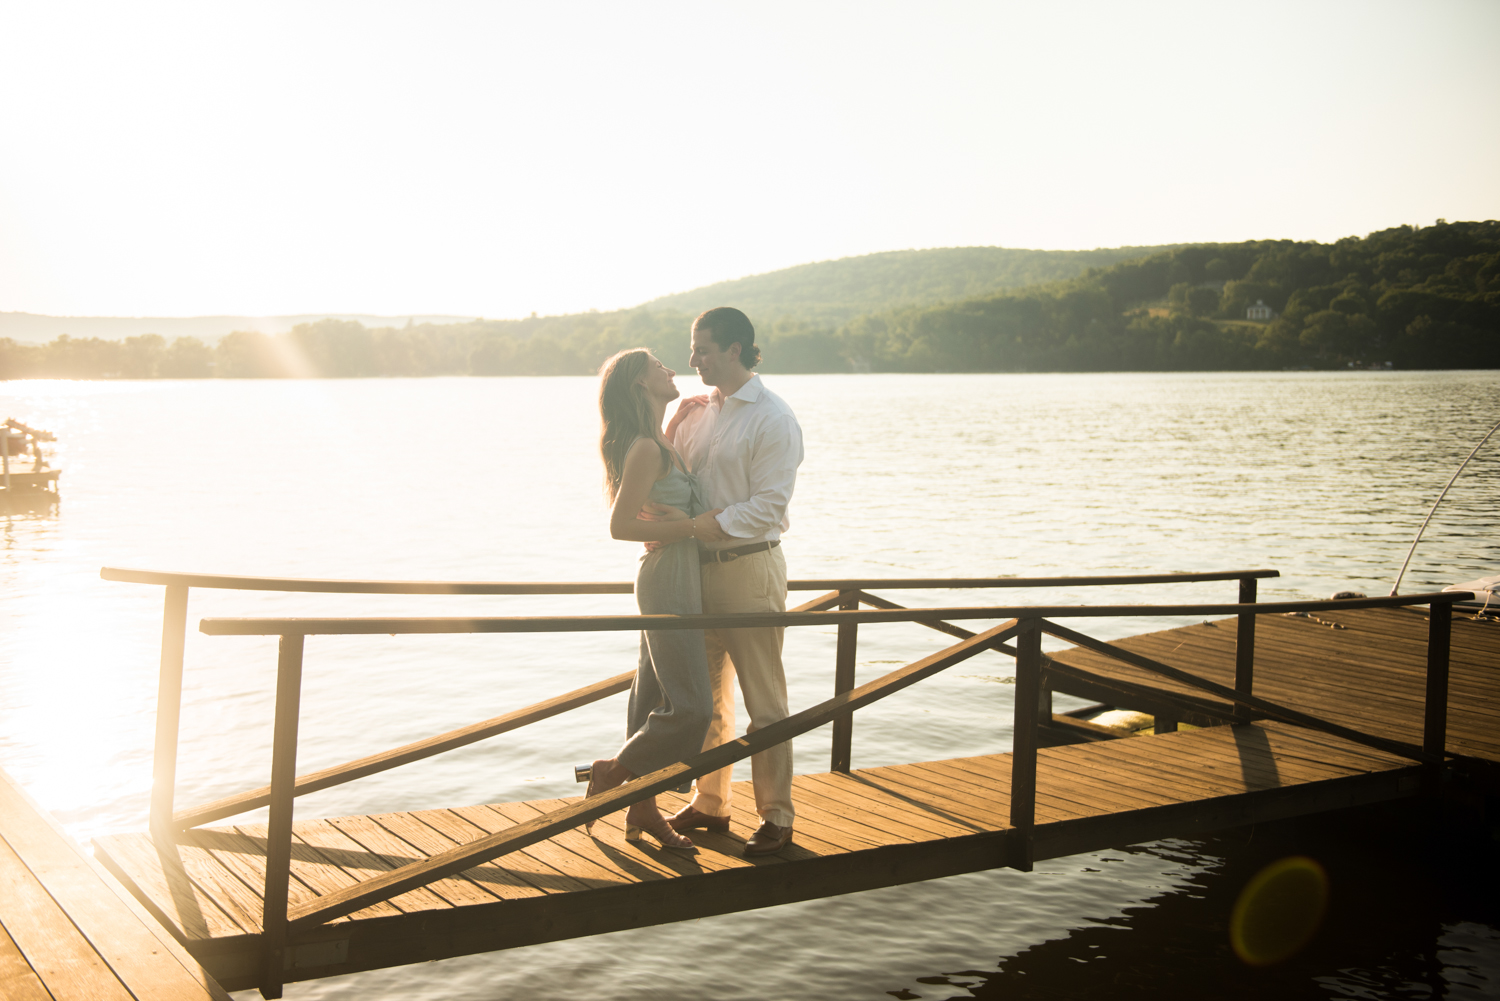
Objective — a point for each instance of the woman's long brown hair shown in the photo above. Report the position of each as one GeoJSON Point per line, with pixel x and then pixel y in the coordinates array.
{"type": "Point", "coordinates": [625, 414]}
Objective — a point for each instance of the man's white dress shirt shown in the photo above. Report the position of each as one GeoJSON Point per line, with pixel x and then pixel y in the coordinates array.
{"type": "Point", "coordinates": [745, 453]}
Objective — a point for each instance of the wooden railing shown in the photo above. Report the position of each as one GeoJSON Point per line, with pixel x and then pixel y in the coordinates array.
{"type": "Point", "coordinates": [840, 606]}
{"type": "Point", "coordinates": [843, 593]}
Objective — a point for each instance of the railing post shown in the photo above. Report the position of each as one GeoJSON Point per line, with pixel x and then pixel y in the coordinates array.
{"type": "Point", "coordinates": [168, 711]}
{"type": "Point", "coordinates": [843, 681]}
{"type": "Point", "coordinates": [1244, 644]}
{"type": "Point", "coordinates": [279, 827]}
{"type": "Point", "coordinates": [1024, 741]}
{"type": "Point", "coordinates": [1435, 715]}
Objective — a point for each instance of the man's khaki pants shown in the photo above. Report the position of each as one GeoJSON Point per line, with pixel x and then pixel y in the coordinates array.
{"type": "Point", "coordinates": [754, 583]}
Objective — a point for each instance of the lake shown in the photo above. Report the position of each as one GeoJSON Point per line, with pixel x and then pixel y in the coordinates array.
{"type": "Point", "coordinates": [1322, 476]}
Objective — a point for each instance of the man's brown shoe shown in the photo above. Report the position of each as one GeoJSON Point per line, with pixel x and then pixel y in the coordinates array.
{"type": "Point", "coordinates": [768, 840]}
{"type": "Point", "coordinates": [690, 818]}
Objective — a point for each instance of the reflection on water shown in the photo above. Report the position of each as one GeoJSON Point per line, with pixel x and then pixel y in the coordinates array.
{"type": "Point", "coordinates": [1412, 914]}
{"type": "Point", "coordinates": [1322, 476]}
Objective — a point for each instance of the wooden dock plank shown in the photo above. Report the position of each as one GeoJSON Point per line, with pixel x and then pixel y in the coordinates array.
{"type": "Point", "coordinates": [1055, 802]}
{"type": "Point", "coordinates": [1101, 779]}
{"type": "Point", "coordinates": [350, 857]}
{"type": "Point", "coordinates": [62, 958]}
{"type": "Point", "coordinates": [1218, 774]}
{"type": "Point", "coordinates": [311, 869]}
{"type": "Point", "coordinates": [946, 809]}
{"type": "Point", "coordinates": [573, 854]}
{"type": "Point", "coordinates": [1369, 675]}
{"type": "Point", "coordinates": [459, 830]}
{"type": "Point", "coordinates": [1396, 670]}
{"type": "Point", "coordinates": [71, 902]}
{"type": "Point", "coordinates": [245, 858]}
{"type": "Point", "coordinates": [515, 876]}
{"type": "Point", "coordinates": [962, 809]}
{"type": "Point", "coordinates": [990, 781]}
{"type": "Point", "coordinates": [906, 819]}
{"type": "Point", "coordinates": [159, 877]}
{"type": "Point", "coordinates": [837, 830]}
{"type": "Point", "coordinates": [726, 851]}
{"type": "Point", "coordinates": [629, 862]}
{"type": "Point", "coordinates": [820, 831]}
{"type": "Point", "coordinates": [605, 844]}
{"type": "Point", "coordinates": [396, 852]}
{"type": "Point", "coordinates": [18, 981]}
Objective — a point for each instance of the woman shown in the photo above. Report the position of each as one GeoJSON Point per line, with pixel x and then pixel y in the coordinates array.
{"type": "Point", "coordinates": [671, 699]}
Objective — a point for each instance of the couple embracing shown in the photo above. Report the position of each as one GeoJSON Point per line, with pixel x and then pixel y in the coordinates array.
{"type": "Point", "coordinates": [708, 495]}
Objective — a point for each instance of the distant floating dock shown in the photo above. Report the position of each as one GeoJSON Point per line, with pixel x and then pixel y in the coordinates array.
{"type": "Point", "coordinates": [1354, 702]}
{"type": "Point", "coordinates": [29, 489]}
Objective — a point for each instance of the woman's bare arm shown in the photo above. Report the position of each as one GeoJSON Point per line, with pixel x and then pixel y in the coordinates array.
{"type": "Point", "coordinates": [642, 470]}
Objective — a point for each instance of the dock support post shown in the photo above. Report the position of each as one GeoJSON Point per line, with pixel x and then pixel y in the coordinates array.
{"type": "Point", "coordinates": [1244, 643]}
{"type": "Point", "coordinates": [168, 711]}
{"type": "Point", "coordinates": [279, 828]}
{"type": "Point", "coordinates": [1024, 741]}
{"type": "Point", "coordinates": [843, 681]}
{"type": "Point", "coordinates": [1435, 709]}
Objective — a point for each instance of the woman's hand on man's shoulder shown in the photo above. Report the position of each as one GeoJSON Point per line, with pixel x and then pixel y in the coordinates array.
{"type": "Point", "coordinates": [685, 406]}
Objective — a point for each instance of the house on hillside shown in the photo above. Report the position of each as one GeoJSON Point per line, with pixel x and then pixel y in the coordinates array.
{"type": "Point", "coordinates": [1260, 311]}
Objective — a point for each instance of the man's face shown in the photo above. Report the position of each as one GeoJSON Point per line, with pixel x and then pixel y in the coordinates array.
{"type": "Point", "coordinates": [714, 364]}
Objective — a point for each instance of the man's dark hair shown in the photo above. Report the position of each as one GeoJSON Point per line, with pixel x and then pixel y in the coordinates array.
{"type": "Point", "coordinates": [727, 325]}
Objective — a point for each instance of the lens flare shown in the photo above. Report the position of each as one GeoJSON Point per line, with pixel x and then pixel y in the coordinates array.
{"type": "Point", "coordinates": [1279, 911]}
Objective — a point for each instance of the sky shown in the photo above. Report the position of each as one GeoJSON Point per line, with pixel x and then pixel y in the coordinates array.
{"type": "Point", "coordinates": [497, 159]}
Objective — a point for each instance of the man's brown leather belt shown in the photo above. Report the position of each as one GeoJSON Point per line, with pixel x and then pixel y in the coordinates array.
{"type": "Point", "coordinates": [730, 555]}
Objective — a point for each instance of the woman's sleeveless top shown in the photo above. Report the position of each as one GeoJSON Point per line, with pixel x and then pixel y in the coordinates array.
{"type": "Point", "coordinates": [668, 579]}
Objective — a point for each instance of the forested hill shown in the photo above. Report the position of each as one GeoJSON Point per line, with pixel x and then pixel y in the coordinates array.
{"type": "Point", "coordinates": [1416, 298]}
{"type": "Point", "coordinates": [831, 293]}
{"type": "Point", "coordinates": [1424, 297]}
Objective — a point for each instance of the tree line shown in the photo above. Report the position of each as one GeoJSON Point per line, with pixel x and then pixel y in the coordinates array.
{"type": "Point", "coordinates": [563, 345]}
{"type": "Point", "coordinates": [1416, 298]}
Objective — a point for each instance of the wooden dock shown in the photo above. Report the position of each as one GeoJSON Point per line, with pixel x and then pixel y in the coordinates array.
{"type": "Point", "coordinates": [869, 828]}
{"type": "Point", "coordinates": [862, 828]}
{"type": "Point", "coordinates": [68, 931]}
{"type": "Point", "coordinates": [1362, 668]}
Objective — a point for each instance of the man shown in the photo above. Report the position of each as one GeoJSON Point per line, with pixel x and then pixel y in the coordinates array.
{"type": "Point", "coordinates": [744, 444]}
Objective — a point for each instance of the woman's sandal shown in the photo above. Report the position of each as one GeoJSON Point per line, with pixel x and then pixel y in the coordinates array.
{"type": "Point", "coordinates": [595, 788]}
{"type": "Point", "coordinates": [663, 833]}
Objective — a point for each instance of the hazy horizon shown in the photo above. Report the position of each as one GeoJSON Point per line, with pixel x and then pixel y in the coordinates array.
{"type": "Point", "coordinates": [433, 316]}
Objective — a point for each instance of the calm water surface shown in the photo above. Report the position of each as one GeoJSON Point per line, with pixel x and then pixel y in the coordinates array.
{"type": "Point", "coordinates": [1324, 477]}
